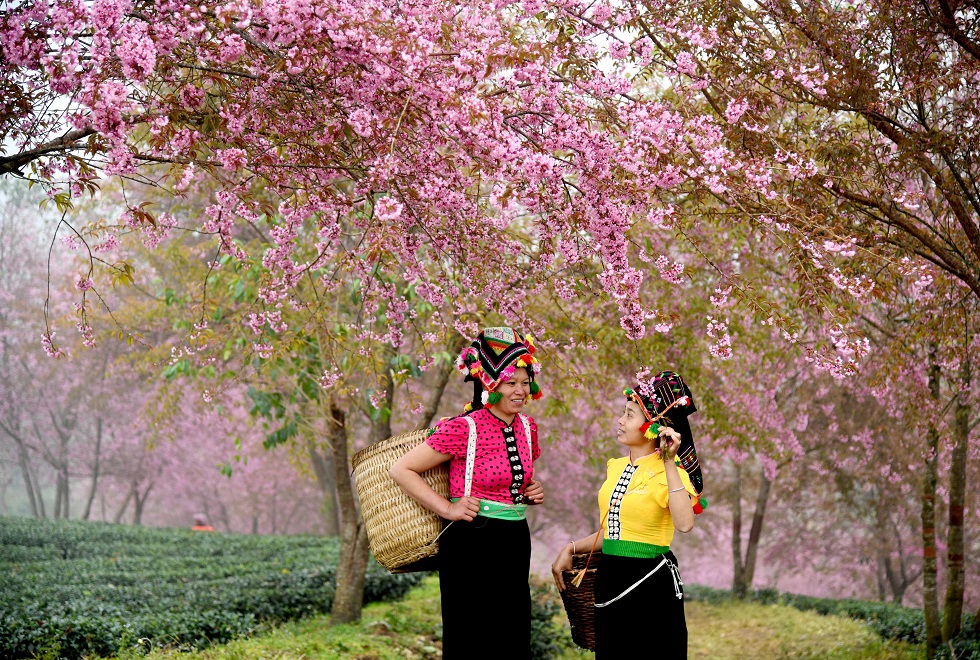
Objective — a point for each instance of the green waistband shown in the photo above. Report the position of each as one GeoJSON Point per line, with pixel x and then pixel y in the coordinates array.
{"type": "Point", "coordinates": [500, 511]}
{"type": "Point", "coordinates": [633, 549]}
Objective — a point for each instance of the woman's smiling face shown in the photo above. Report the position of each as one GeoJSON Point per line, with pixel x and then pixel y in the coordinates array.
{"type": "Point", "coordinates": [513, 393]}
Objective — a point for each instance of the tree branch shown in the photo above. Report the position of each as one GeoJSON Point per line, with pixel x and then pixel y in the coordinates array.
{"type": "Point", "coordinates": [68, 142]}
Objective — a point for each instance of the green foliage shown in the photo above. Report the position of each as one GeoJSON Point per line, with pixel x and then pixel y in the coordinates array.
{"type": "Point", "coordinates": [73, 588]}
{"type": "Point", "coordinates": [888, 620]}
{"type": "Point", "coordinates": [548, 640]}
{"type": "Point", "coordinates": [965, 646]}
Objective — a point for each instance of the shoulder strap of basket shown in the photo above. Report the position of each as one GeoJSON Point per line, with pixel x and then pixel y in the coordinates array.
{"type": "Point", "coordinates": [527, 434]}
{"type": "Point", "coordinates": [470, 456]}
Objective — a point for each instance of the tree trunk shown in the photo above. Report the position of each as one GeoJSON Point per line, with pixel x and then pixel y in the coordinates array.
{"type": "Point", "coordinates": [930, 598]}
{"type": "Point", "coordinates": [354, 548]}
{"type": "Point", "coordinates": [34, 496]}
{"type": "Point", "coordinates": [745, 570]}
{"type": "Point", "coordinates": [223, 515]}
{"type": "Point", "coordinates": [11, 426]}
{"type": "Point", "coordinates": [323, 469]}
{"type": "Point", "coordinates": [39, 497]}
{"type": "Point", "coordinates": [66, 491]}
{"type": "Point", "coordinates": [95, 470]}
{"type": "Point", "coordinates": [352, 564]}
{"type": "Point", "coordinates": [57, 494]}
{"type": "Point", "coordinates": [883, 573]}
{"type": "Point", "coordinates": [62, 493]}
{"type": "Point", "coordinates": [274, 514]}
{"type": "Point", "coordinates": [140, 502]}
{"type": "Point", "coordinates": [755, 534]}
{"type": "Point", "coordinates": [953, 605]}
{"type": "Point", "coordinates": [125, 505]}
{"type": "Point", "coordinates": [898, 581]}
{"type": "Point", "coordinates": [35, 501]}
{"type": "Point", "coordinates": [908, 577]}
{"type": "Point", "coordinates": [738, 580]}
{"type": "Point", "coordinates": [899, 578]}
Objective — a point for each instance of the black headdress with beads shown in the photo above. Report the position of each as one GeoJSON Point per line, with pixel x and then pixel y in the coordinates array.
{"type": "Point", "coordinates": [667, 401]}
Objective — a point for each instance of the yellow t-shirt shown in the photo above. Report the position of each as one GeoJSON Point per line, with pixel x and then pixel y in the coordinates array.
{"type": "Point", "coordinates": [642, 513]}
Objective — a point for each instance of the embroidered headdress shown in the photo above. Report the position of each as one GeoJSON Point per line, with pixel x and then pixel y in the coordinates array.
{"type": "Point", "coordinates": [492, 358]}
{"type": "Point", "coordinates": [667, 401]}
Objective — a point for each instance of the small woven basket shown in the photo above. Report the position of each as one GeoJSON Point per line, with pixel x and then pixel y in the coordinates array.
{"type": "Point", "coordinates": [401, 531]}
{"type": "Point", "coordinates": [580, 601]}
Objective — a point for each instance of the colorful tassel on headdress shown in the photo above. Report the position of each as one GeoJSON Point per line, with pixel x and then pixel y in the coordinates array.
{"type": "Point", "coordinates": [536, 392]}
{"type": "Point", "coordinates": [529, 342]}
{"type": "Point", "coordinates": [468, 407]}
{"type": "Point", "coordinates": [652, 430]}
{"type": "Point", "coordinates": [520, 363]}
{"type": "Point", "coordinates": [494, 398]}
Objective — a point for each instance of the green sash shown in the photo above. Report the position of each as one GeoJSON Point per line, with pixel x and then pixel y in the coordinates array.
{"type": "Point", "coordinates": [633, 549]}
{"type": "Point", "coordinates": [501, 511]}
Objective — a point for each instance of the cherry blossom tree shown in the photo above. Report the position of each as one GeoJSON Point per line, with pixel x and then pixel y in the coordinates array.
{"type": "Point", "coordinates": [627, 160]}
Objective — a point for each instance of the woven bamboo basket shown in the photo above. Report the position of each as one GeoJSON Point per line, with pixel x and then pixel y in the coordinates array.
{"type": "Point", "coordinates": [402, 532]}
{"type": "Point", "coordinates": [580, 601]}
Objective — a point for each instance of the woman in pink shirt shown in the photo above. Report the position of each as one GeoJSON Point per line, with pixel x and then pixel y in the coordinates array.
{"type": "Point", "coordinates": [485, 549]}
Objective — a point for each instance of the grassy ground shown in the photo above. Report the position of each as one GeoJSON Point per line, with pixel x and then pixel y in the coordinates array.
{"type": "Point", "coordinates": [410, 629]}
{"type": "Point", "coordinates": [746, 630]}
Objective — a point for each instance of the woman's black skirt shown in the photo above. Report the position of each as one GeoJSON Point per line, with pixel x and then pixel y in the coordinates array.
{"type": "Point", "coordinates": [483, 579]}
{"type": "Point", "coordinates": [648, 621]}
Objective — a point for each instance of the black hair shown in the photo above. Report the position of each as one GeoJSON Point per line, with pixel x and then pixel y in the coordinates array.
{"type": "Point", "coordinates": [477, 402]}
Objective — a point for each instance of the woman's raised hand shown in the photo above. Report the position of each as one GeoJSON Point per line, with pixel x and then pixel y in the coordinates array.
{"type": "Point", "coordinates": [465, 508]}
{"type": "Point", "coordinates": [670, 442]}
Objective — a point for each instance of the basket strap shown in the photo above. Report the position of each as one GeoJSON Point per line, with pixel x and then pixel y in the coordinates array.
{"type": "Point", "coordinates": [527, 434]}
{"type": "Point", "coordinates": [470, 456]}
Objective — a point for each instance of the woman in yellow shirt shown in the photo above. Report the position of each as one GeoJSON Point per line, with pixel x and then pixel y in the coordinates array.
{"type": "Point", "coordinates": [646, 496]}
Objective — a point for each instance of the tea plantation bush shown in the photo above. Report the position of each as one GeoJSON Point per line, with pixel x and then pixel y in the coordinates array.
{"type": "Point", "coordinates": [73, 588]}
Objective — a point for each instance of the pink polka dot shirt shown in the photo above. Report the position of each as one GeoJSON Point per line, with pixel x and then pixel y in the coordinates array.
{"type": "Point", "coordinates": [493, 476]}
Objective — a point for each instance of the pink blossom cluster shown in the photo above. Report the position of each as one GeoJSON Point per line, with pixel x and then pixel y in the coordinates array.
{"type": "Point", "coordinates": [670, 271]}
{"type": "Point", "coordinates": [718, 330]}
{"type": "Point", "coordinates": [50, 348]}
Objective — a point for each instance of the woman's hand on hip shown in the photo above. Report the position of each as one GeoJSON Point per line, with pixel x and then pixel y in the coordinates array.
{"type": "Point", "coordinates": [465, 508]}
{"type": "Point", "coordinates": [534, 493]}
